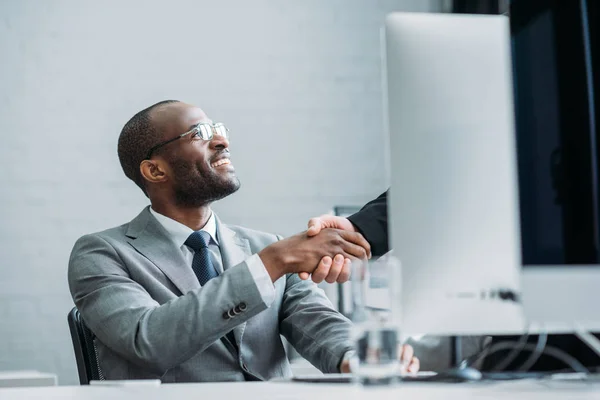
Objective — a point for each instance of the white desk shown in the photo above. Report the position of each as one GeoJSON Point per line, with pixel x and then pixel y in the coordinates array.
{"type": "Point", "coordinates": [530, 390]}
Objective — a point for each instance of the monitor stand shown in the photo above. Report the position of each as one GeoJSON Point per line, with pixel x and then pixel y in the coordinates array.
{"type": "Point", "coordinates": [455, 352]}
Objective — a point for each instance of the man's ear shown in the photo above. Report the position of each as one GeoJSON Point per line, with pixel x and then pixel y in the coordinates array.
{"type": "Point", "coordinates": [153, 171]}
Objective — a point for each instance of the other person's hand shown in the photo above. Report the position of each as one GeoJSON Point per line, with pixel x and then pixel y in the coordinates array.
{"type": "Point", "coordinates": [315, 225]}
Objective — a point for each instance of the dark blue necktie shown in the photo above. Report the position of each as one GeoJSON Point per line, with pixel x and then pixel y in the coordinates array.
{"type": "Point", "coordinates": [202, 266]}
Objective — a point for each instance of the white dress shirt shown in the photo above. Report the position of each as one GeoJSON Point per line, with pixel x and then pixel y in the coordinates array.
{"type": "Point", "coordinates": [179, 234]}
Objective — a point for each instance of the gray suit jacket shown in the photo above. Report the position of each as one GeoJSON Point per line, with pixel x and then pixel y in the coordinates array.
{"type": "Point", "coordinates": [153, 320]}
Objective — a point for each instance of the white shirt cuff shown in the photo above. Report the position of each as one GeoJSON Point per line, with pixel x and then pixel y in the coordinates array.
{"type": "Point", "coordinates": [262, 279]}
{"type": "Point", "coordinates": [350, 356]}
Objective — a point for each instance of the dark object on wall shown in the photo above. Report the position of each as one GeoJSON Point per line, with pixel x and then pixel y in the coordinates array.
{"type": "Point", "coordinates": [478, 6]}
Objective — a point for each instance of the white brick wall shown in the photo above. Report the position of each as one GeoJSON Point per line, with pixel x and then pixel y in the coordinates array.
{"type": "Point", "coordinates": [298, 83]}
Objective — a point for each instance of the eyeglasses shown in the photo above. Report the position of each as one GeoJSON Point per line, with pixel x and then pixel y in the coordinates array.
{"type": "Point", "coordinates": [204, 130]}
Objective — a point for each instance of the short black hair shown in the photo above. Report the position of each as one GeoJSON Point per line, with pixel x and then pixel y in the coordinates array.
{"type": "Point", "coordinates": [137, 137]}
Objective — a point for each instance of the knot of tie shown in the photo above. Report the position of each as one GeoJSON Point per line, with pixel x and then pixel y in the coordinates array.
{"type": "Point", "coordinates": [198, 240]}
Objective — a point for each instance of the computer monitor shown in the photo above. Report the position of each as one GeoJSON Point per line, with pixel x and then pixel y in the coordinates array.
{"type": "Point", "coordinates": [453, 204]}
{"type": "Point", "coordinates": [556, 57]}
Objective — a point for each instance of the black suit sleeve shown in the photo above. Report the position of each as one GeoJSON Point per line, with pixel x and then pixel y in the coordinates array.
{"type": "Point", "coordinates": [371, 221]}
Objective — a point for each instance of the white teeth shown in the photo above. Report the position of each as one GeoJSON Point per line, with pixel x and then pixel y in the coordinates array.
{"type": "Point", "coordinates": [220, 162]}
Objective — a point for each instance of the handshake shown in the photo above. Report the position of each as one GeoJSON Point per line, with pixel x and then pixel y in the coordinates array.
{"type": "Point", "coordinates": [324, 252]}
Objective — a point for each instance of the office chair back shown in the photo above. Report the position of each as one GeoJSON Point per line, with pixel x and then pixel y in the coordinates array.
{"type": "Point", "coordinates": [86, 354]}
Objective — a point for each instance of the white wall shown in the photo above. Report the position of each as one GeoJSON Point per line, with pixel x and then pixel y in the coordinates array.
{"type": "Point", "coordinates": [298, 83]}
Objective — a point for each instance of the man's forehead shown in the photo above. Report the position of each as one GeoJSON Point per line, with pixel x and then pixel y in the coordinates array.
{"type": "Point", "coordinates": [180, 115]}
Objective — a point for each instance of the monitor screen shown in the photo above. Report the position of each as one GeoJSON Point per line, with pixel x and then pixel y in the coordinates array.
{"type": "Point", "coordinates": [556, 140]}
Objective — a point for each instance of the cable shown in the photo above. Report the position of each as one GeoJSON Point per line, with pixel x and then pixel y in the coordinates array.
{"type": "Point", "coordinates": [587, 338]}
{"type": "Point", "coordinates": [539, 349]}
{"type": "Point", "coordinates": [467, 362]}
{"type": "Point", "coordinates": [569, 360]}
{"type": "Point", "coordinates": [512, 354]}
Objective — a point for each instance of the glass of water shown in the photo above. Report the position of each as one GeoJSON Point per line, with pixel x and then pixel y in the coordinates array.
{"type": "Point", "coordinates": [375, 314]}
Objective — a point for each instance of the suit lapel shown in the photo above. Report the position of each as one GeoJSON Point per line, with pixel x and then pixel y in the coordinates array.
{"type": "Point", "coordinates": [151, 240]}
{"type": "Point", "coordinates": [234, 250]}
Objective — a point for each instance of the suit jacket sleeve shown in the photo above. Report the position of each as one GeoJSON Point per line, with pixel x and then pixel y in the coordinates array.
{"type": "Point", "coordinates": [310, 323]}
{"type": "Point", "coordinates": [371, 221]}
{"type": "Point", "coordinates": [157, 337]}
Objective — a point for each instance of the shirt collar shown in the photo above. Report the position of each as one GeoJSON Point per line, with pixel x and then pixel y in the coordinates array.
{"type": "Point", "coordinates": [179, 232]}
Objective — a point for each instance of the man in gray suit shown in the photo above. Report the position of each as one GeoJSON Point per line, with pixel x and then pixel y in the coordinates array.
{"type": "Point", "coordinates": [177, 295]}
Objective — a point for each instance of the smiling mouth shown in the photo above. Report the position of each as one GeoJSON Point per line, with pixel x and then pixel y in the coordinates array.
{"type": "Point", "coordinates": [223, 161]}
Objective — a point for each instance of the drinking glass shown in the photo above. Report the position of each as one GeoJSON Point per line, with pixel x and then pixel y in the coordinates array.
{"type": "Point", "coordinates": [375, 314]}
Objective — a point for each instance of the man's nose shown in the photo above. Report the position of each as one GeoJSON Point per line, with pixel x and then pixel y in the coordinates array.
{"type": "Point", "coordinates": [219, 142]}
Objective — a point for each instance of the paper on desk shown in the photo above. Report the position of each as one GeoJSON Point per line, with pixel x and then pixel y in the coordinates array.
{"type": "Point", "coordinates": [127, 382]}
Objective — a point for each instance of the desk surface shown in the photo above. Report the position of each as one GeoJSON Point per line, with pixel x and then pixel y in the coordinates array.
{"type": "Point", "coordinates": [289, 391]}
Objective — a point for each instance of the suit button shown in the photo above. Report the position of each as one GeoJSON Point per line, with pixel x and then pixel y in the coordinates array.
{"type": "Point", "coordinates": [226, 315]}
{"type": "Point", "coordinates": [242, 306]}
{"type": "Point", "coordinates": [230, 313]}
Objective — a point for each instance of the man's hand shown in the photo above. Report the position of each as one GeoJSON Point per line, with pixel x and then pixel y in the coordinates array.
{"type": "Point", "coordinates": [315, 225]}
{"type": "Point", "coordinates": [409, 363]}
{"type": "Point", "coordinates": [330, 270]}
{"type": "Point", "coordinates": [302, 253]}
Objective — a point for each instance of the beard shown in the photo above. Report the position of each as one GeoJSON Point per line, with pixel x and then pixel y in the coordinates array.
{"type": "Point", "coordinates": [195, 186]}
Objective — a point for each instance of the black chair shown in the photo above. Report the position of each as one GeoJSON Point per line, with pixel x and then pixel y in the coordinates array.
{"type": "Point", "coordinates": [86, 354]}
